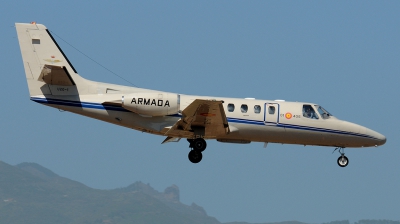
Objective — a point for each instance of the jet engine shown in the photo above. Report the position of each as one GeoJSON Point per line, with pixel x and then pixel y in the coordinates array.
{"type": "Point", "coordinates": [152, 103]}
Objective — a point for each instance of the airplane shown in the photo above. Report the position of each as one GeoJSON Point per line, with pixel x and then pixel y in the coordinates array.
{"type": "Point", "coordinates": [53, 81]}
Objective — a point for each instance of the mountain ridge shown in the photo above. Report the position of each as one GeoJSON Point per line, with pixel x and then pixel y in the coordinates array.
{"type": "Point", "coordinates": [31, 193]}
{"type": "Point", "coordinates": [44, 197]}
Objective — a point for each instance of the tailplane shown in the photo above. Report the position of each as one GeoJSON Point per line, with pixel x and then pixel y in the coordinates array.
{"type": "Point", "coordinates": [48, 71]}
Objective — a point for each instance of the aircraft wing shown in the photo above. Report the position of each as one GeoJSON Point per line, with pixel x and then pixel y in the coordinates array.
{"type": "Point", "coordinates": [205, 118]}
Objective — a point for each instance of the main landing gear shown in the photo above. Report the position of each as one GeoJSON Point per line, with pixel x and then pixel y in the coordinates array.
{"type": "Point", "coordinates": [197, 145]}
{"type": "Point", "coordinates": [342, 161]}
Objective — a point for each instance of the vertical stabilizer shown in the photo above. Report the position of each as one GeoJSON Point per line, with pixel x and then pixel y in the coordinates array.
{"type": "Point", "coordinates": [48, 71]}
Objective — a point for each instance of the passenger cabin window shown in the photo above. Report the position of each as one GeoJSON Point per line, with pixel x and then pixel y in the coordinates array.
{"type": "Point", "coordinates": [271, 110]}
{"type": "Point", "coordinates": [324, 113]}
{"type": "Point", "coordinates": [244, 108]}
{"type": "Point", "coordinates": [309, 112]}
{"type": "Point", "coordinates": [257, 109]}
{"type": "Point", "coordinates": [231, 107]}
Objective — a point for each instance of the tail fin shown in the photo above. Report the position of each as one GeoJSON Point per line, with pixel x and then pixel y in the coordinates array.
{"type": "Point", "coordinates": [48, 71]}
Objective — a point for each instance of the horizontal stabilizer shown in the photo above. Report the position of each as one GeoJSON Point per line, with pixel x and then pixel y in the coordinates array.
{"type": "Point", "coordinates": [56, 75]}
{"type": "Point", "coordinates": [117, 103]}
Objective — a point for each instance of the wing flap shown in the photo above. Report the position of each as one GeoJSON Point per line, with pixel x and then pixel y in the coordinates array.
{"type": "Point", "coordinates": [171, 139]}
{"type": "Point", "coordinates": [202, 117]}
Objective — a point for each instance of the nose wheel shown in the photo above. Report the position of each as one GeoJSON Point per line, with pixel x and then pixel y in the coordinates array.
{"type": "Point", "coordinates": [342, 161]}
{"type": "Point", "coordinates": [197, 145]}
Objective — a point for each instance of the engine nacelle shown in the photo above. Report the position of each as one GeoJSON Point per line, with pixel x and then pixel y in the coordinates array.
{"type": "Point", "coordinates": [152, 103]}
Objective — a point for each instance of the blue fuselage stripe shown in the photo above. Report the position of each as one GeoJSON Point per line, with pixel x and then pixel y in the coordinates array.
{"type": "Point", "coordinates": [78, 104]}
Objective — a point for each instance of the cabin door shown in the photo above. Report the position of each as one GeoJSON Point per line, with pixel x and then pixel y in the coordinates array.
{"type": "Point", "coordinates": [271, 113]}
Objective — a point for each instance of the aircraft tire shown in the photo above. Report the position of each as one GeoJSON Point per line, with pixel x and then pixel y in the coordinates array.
{"type": "Point", "coordinates": [190, 142]}
{"type": "Point", "coordinates": [199, 144]}
{"type": "Point", "coordinates": [343, 161]}
{"type": "Point", "coordinates": [195, 156]}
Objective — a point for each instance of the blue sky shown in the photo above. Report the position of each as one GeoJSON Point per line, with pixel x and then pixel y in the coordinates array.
{"type": "Point", "coordinates": [343, 55]}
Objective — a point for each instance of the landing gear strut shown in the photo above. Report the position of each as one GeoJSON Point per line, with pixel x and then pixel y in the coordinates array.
{"type": "Point", "coordinates": [197, 145]}
{"type": "Point", "coordinates": [342, 161]}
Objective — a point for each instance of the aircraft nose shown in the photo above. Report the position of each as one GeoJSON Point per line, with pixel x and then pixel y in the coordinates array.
{"type": "Point", "coordinates": [379, 138]}
{"type": "Point", "coordinates": [367, 137]}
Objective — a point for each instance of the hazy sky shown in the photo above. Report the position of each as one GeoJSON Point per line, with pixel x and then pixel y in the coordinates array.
{"type": "Point", "coordinates": [343, 55]}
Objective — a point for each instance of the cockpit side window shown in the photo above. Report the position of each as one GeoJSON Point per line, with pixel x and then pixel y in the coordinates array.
{"type": "Point", "coordinates": [309, 112]}
{"type": "Point", "coordinates": [231, 107]}
{"type": "Point", "coordinates": [324, 113]}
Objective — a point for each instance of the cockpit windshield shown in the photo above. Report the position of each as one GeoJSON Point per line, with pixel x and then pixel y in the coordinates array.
{"type": "Point", "coordinates": [324, 113]}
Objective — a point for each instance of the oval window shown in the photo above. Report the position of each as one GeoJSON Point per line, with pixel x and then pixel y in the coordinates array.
{"type": "Point", "coordinates": [244, 108]}
{"type": "Point", "coordinates": [231, 107]}
{"type": "Point", "coordinates": [257, 109]}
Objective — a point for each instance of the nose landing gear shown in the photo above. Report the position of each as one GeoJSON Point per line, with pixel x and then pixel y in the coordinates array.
{"type": "Point", "coordinates": [342, 161]}
{"type": "Point", "coordinates": [197, 145]}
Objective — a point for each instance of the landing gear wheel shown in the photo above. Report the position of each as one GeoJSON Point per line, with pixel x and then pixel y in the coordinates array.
{"type": "Point", "coordinates": [343, 161]}
{"type": "Point", "coordinates": [199, 144]}
{"type": "Point", "coordinates": [190, 142]}
{"type": "Point", "coordinates": [195, 156]}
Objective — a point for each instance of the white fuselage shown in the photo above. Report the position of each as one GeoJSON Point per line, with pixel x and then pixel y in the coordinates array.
{"type": "Point", "coordinates": [286, 124]}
